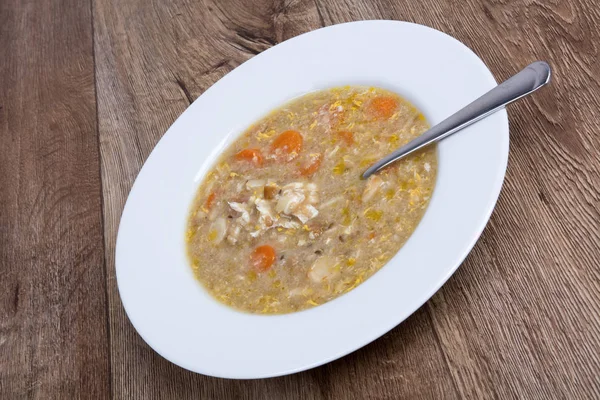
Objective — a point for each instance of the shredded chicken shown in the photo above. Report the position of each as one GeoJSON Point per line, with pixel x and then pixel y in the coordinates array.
{"type": "Point", "coordinates": [269, 207]}
{"type": "Point", "coordinates": [267, 216]}
{"type": "Point", "coordinates": [298, 200]}
{"type": "Point", "coordinates": [306, 213]}
{"type": "Point", "coordinates": [288, 223]}
{"type": "Point", "coordinates": [325, 268]}
{"type": "Point", "coordinates": [243, 209]}
{"type": "Point", "coordinates": [283, 222]}
{"type": "Point", "coordinates": [290, 199]}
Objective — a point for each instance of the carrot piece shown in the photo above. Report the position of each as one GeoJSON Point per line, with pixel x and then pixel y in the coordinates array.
{"type": "Point", "coordinates": [262, 258]}
{"type": "Point", "coordinates": [347, 137]}
{"type": "Point", "coordinates": [287, 145]}
{"type": "Point", "coordinates": [210, 201]}
{"type": "Point", "coordinates": [250, 155]}
{"type": "Point", "coordinates": [383, 107]}
{"type": "Point", "coordinates": [314, 165]}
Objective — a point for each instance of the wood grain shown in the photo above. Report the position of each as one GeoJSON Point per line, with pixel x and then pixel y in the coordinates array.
{"type": "Point", "coordinates": [520, 318]}
{"type": "Point", "coordinates": [133, 115]}
{"type": "Point", "coordinates": [53, 336]}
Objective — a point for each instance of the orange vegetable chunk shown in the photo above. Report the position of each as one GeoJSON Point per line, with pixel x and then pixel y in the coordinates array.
{"type": "Point", "coordinates": [383, 107]}
{"type": "Point", "coordinates": [313, 166]}
{"type": "Point", "coordinates": [250, 155]}
{"type": "Point", "coordinates": [287, 145]}
{"type": "Point", "coordinates": [210, 201]}
{"type": "Point", "coordinates": [262, 258]}
{"type": "Point", "coordinates": [347, 137]}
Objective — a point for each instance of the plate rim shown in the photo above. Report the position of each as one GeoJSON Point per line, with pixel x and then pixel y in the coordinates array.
{"type": "Point", "coordinates": [501, 171]}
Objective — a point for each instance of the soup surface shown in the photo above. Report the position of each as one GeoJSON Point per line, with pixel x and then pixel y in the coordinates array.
{"type": "Point", "coordinates": [283, 221]}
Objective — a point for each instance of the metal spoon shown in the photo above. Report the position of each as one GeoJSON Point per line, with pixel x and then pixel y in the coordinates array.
{"type": "Point", "coordinates": [533, 77]}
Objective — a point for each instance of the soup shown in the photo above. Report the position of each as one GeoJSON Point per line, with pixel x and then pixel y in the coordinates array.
{"type": "Point", "coordinates": [283, 221]}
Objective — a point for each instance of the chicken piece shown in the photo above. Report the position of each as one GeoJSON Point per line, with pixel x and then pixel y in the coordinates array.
{"type": "Point", "coordinates": [267, 216]}
{"type": "Point", "coordinates": [292, 196]}
{"type": "Point", "coordinates": [214, 213]}
{"type": "Point", "coordinates": [255, 184]}
{"type": "Point", "coordinates": [312, 193]}
{"type": "Point", "coordinates": [306, 213]}
{"type": "Point", "coordinates": [243, 209]}
{"type": "Point", "coordinates": [288, 223]}
{"type": "Point", "coordinates": [298, 199]}
{"type": "Point", "coordinates": [234, 234]}
{"type": "Point", "coordinates": [289, 202]}
{"type": "Point", "coordinates": [217, 230]}
{"type": "Point", "coordinates": [324, 269]}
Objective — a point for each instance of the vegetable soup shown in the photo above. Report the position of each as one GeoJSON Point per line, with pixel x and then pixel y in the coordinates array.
{"type": "Point", "coordinates": [283, 221]}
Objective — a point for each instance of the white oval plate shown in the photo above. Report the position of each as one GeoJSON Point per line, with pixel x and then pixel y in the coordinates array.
{"type": "Point", "coordinates": [171, 310]}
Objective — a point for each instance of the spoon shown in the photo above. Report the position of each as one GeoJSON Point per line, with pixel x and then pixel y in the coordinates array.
{"type": "Point", "coordinates": [533, 77]}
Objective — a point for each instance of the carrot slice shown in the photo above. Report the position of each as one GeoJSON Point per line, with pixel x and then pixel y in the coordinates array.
{"type": "Point", "coordinates": [262, 258]}
{"type": "Point", "coordinates": [287, 145]}
{"type": "Point", "coordinates": [314, 165]}
{"type": "Point", "coordinates": [250, 155]}
{"type": "Point", "coordinates": [383, 107]}
{"type": "Point", "coordinates": [210, 201]}
{"type": "Point", "coordinates": [347, 137]}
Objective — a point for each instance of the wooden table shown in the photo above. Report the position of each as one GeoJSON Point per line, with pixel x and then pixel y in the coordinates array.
{"type": "Point", "coordinates": [87, 88]}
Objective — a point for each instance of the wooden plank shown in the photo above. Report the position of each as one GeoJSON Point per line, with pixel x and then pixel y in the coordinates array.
{"type": "Point", "coordinates": [53, 334]}
{"type": "Point", "coordinates": [519, 319]}
{"type": "Point", "coordinates": [146, 78]}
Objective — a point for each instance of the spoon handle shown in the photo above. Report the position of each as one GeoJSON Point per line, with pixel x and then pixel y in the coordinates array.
{"type": "Point", "coordinates": [531, 78]}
